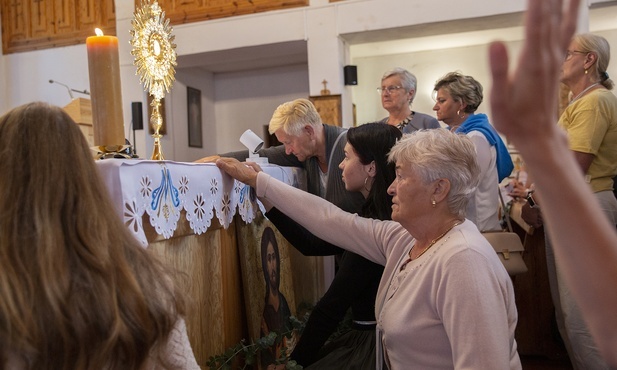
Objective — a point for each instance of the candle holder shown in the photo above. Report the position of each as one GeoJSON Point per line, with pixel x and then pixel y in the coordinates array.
{"type": "Point", "coordinates": [155, 58]}
{"type": "Point", "coordinates": [111, 151]}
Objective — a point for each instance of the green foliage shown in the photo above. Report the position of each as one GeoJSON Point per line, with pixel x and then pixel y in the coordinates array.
{"type": "Point", "coordinates": [244, 356]}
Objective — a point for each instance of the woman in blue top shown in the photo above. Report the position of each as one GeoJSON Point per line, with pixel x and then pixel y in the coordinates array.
{"type": "Point", "coordinates": [457, 97]}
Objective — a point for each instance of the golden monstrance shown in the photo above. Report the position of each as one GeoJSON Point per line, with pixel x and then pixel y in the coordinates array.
{"type": "Point", "coordinates": [155, 58]}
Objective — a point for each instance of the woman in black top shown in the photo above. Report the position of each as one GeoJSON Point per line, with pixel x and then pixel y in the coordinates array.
{"type": "Point", "coordinates": [365, 170]}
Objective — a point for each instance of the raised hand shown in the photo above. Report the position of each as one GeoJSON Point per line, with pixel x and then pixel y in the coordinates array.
{"type": "Point", "coordinates": [524, 103]}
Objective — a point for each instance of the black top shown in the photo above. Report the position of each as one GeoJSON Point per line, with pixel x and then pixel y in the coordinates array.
{"type": "Point", "coordinates": [355, 285]}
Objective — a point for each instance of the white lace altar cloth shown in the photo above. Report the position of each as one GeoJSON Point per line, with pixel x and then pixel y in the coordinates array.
{"type": "Point", "coordinates": [162, 189]}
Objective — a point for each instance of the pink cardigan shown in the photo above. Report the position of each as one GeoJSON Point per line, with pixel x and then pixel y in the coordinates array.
{"type": "Point", "coordinates": [452, 308]}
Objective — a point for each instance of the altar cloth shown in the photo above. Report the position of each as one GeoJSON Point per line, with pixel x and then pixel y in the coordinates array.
{"type": "Point", "coordinates": [163, 189]}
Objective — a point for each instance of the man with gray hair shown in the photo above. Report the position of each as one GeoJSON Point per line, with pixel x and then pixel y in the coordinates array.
{"type": "Point", "coordinates": [309, 144]}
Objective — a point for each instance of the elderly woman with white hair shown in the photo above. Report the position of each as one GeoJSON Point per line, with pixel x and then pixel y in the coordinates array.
{"type": "Point", "coordinates": [444, 301]}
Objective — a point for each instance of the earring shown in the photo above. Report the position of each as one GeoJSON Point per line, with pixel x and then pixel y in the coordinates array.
{"type": "Point", "coordinates": [586, 71]}
{"type": "Point", "coordinates": [366, 187]}
{"type": "Point", "coordinates": [433, 203]}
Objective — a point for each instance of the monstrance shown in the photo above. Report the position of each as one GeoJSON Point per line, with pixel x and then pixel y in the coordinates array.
{"type": "Point", "coordinates": [155, 58]}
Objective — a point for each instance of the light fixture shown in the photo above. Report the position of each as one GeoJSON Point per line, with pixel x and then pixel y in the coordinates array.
{"type": "Point", "coordinates": [253, 143]}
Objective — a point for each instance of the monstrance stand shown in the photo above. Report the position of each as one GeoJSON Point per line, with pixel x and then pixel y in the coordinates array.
{"type": "Point", "coordinates": [155, 58]}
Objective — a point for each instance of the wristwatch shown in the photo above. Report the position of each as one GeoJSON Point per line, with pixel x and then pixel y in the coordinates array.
{"type": "Point", "coordinates": [532, 202]}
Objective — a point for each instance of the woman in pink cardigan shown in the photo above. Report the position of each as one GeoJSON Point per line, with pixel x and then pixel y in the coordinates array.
{"type": "Point", "coordinates": [444, 301]}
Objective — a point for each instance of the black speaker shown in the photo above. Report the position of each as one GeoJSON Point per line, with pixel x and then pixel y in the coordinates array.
{"type": "Point", "coordinates": [138, 118]}
{"type": "Point", "coordinates": [351, 75]}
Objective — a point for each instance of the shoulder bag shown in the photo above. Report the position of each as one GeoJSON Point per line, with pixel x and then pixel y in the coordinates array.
{"type": "Point", "coordinates": [507, 245]}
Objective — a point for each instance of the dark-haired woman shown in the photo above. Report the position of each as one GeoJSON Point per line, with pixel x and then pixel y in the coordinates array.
{"type": "Point", "coordinates": [365, 170]}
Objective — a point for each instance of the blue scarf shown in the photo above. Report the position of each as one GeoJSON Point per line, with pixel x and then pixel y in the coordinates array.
{"type": "Point", "coordinates": [479, 122]}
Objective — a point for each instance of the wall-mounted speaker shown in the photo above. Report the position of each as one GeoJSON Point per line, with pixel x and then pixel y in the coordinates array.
{"type": "Point", "coordinates": [138, 116]}
{"type": "Point", "coordinates": [351, 75]}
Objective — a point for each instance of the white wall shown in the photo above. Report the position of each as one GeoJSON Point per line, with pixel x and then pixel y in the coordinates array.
{"type": "Point", "coordinates": [177, 117]}
{"type": "Point", "coordinates": [27, 75]}
{"type": "Point", "coordinates": [231, 103]}
{"type": "Point", "coordinates": [246, 100]}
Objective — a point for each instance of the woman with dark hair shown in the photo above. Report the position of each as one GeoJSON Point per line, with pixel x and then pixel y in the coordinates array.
{"type": "Point", "coordinates": [367, 171]}
{"type": "Point", "coordinates": [78, 290]}
{"type": "Point", "coordinates": [369, 146]}
{"type": "Point", "coordinates": [276, 309]}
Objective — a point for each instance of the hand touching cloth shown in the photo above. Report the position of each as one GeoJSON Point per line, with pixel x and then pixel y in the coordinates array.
{"type": "Point", "coordinates": [243, 172]}
{"type": "Point", "coordinates": [208, 159]}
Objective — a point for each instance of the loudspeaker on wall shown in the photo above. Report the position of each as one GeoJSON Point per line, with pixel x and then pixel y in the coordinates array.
{"type": "Point", "coordinates": [138, 118]}
{"type": "Point", "coordinates": [351, 75]}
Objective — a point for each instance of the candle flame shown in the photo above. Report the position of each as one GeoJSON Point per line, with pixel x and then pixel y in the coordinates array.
{"type": "Point", "coordinates": [98, 32]}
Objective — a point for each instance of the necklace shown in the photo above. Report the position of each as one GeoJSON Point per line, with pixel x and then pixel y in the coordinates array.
{"type": "Point", "coordinates": [404, 123]}
{"type": "Point", "coordinates": [583, 92]}
{"type": "Point", "coordinates": [435, 240]}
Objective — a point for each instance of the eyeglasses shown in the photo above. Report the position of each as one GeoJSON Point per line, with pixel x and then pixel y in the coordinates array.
{"type": "Point", "coordinates": [569, 53]}
{"type": "Point", "coordinates": [389, 89]}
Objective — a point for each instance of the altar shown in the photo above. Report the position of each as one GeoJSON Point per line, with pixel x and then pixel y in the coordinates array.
{"type": "Point", "coordinates": [188, 213]}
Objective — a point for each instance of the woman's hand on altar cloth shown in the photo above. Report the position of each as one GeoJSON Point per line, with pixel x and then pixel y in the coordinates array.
{"type": "Point", "coordinates": [245, 172]}
{"type": "Point", "coordinates": [209, 159]}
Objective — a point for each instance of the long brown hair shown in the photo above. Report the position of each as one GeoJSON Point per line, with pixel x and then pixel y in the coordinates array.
{"type": "Point", "coordinates": [77, 291]}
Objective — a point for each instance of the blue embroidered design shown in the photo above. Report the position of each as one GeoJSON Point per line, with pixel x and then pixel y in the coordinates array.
{"type": "Point", "coordinates": [165, 193]}
{"type": "Point", "coordinates": [244, 191]}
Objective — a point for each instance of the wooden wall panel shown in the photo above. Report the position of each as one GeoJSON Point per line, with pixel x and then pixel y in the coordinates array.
{"type": "Point", "coordinates": [15, 18]}
{"type": "Point", "coordinates": [87, 15]}
{"type": "Point", "coordinates": [39, 14]}
{"type": "Point", "coordinates": [41, 24]}
{"type": "Point", "coordinates": [64, 16]}
{"type": "Point", "coordinates": [187, 11]}
{"type": "Point", "coordinates": [108, 9]}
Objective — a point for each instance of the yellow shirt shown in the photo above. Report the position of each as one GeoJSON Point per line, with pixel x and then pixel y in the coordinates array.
{"type": "Point", "coordinates": [591, 125]}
